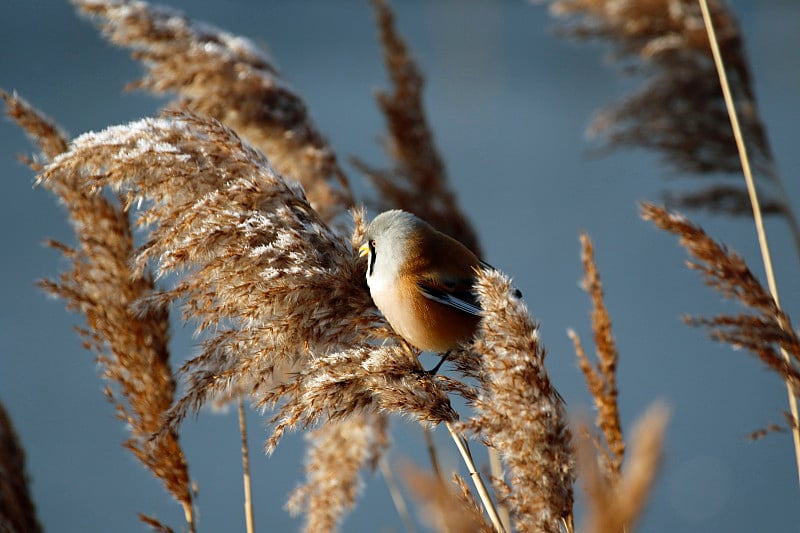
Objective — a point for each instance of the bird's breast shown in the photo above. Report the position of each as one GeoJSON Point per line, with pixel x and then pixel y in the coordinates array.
{"type": "Point", "coordinates": [426, 324]}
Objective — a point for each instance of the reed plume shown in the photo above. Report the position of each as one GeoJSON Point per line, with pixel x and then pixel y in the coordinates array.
{"type": "Point", "coordinates": [229, 78]}
{"type": "Point", "coordinates": [765, 329]}
{"type": "Point", "coordinates": [519, 412]}
{"type": "Point", "coordinates": [417, 182]}
{"type": "Point", "coordinates": [269, 282]}
{"type": "Point", "coordinates": [679, 111]}
{"type": "Point", "coordinates": [443, 508]}
{"type": "Point", "coordinates": [131, 347]}
{"type": "Point", "coordinates": [41, 129]}
{"type": "Point", "coordinates": [601, 378]}
{"type": "Point", "coordinates": [337, 452]}
{"type": "Point", "coordinates": [17, 511]}
{"type": "Point", "coordinates": [615, 508]}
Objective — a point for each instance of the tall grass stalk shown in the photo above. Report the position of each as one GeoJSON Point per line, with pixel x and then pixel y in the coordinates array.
{"type": "Point", "coordinates": [463, 449]}
{"type": "Point", "coordinates": [753, 194]}
{"type": "Point", "coordinates": [248, 495]}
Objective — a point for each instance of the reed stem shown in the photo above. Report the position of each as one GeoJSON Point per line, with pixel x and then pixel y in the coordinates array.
{"type": "Point", "coordinates": [248, 500]}
{"type": "Point", "coordinates": [751, 190]}
{"type": "Point", "coordinates": [397, 496]}
{"type": "Point", "coordinates": [463, 448]}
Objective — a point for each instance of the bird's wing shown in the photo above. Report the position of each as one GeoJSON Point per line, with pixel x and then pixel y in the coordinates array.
{"type": "Point", "coordinates": [454, 292]}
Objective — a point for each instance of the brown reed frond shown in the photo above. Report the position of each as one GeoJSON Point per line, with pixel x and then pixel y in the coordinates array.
{"type": "Point", "coordinates": [261, 273]}
{"type": "Point", "coordinates": [418, 180]}
{"type": "Point", "coordinates": [336, 453]}
{"type": "Point", "coordinates": [771, 428]}
{"type": "Point", "coordinates": [601, 378]}
{"type": "Point", "coordinates": [42, 130]}
{"type": "Point", "coordinates": [154, 524]}
{"type": "Point", "coordinates": [615, 508]}
{"type": "Point", "coordinates": [17, 512]}
{"type": "Point", "coordinates": [679, 112]}
{"type": "Point", "coordinates": [229, 78]}
{"type": "Point", "coordinates": [360, 379]}
{"type": "Point", "coordinates": [131, 347]}
{"type": "Point", "coordinates": [445, 509]}
{"type": "Point", "coordinates": [519, 412]}
{"type": "Point", "coordinates": [727, 273]}
{"type": "Point", "coordinates": [724, 199]}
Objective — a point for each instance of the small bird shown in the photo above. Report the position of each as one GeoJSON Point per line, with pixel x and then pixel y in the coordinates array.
{"type": "Point", "coordinates": [422, 281]}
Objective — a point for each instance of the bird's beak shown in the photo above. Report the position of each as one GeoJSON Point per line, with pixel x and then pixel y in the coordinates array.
{"type": "Point", "coordinates": [363, 250]}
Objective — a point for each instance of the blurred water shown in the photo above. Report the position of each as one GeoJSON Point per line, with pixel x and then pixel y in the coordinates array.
{"type": "Point", "coordinates": [509, 103]}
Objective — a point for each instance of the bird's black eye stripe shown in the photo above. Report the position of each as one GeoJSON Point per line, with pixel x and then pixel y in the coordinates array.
{"type": "Point", "coordinates": [371, 256]}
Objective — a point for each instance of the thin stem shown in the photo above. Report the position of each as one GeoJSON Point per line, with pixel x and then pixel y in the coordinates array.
{"type": "Point", "coordinates": [248, 501]}
{"type": "Point", "coordinates": [397, 496]}
{"type": "Point", "coordinates": [432, 454]}
{"type": "Point", "coordinates": [463, 448]}
{"type": "Point", "coordinates": [751, 190]}
{"type": "Point", "coordinates": [496, 468]}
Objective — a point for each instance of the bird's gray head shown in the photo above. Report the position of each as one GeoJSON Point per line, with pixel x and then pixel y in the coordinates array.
{"type": "Point", "coordinates": [387, 239]}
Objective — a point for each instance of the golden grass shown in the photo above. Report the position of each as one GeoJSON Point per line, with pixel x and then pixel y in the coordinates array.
{"type": "Point", "coordinates": [337, 452]}
{"type": "Point", "coordinates": [242, 206]}
{"type": "Point", "coordinates": [417, 182]}
{"type": "Point", "coordinates": [227, 77]}
{"type": "Point", "coordinates": [519, 412]}
{"type": "Point", "coordinates": [614, 508]}
{"type": "Point", "coordinates": [752, 194]}
{"type": "Point", "coordinates": [445, 508]}
{"type": "Point", "coordinates": [601, 378]}
{"type": "Point", "coordinates": [766, 330]}
{"type": "Point", "coordinates": [131, 346]}
{"type": "Point", "coordinates": [679, 112]}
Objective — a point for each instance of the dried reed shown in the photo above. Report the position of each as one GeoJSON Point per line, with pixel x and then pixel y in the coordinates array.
{"type": "Point", "coordinates": [519, 412]}
{"type": "Point", "coordinates": [763, 331]}
{"type": "Point", "coordinates": [679, 111]}
{"type": "Point", "coordinates": [260, 272]}
{"type": "Point", "coordinates": [337, 452]}
{"type": "Point", "coordinates": [229, 78]}
{"type": "Point", "coordinates": [17, 512]}
{"type": "Point", "coordinates": [42, 130]}
{"type": "Point", "coordinates": [615, 508]}
{"type": "Point", "coordinates": [445, 509]}
{"type": "Point", "coordinates": [130, 346]}
{"type": "Point", "coordinates": [754, 202]}
{"type": "Point", "coordinates": [601, 378]}
{"type": "Point", "coordinates": [418, 181]}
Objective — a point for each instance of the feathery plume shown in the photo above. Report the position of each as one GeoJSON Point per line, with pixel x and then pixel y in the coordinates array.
{"type": "Point", "coordinates": [445, 509]}
{"type": "Point", "coordinates": [762, 332]}
{"type": "Point", "coordinates": [360, 379]}
{"type": "Point", "coordinates": [601, 378]}
{"type": "Point", "coordinates": [41, 129]}
{"type": "Point", "coordinates": [17, 512]}
{"type": "Point", "coordinates": [519, 412]}
{"type": "Point", "coordinates": [615, 508]}
{"type": "Point", "coordinates": [271, 283]}
{"type": "Point", "coordinates": [229, 78]}
{"type": "Point", "coordinates": [132, 348]}
{"type": "Point", "coordinates": [418, 181]}
{"type": "Point", "coordinates": [679, 112]}
{"type": "Point", "coordinates": [337, 452]}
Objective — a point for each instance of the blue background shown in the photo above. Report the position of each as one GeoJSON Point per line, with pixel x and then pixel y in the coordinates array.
{"type": "Point", "coordinates": [509, 103]}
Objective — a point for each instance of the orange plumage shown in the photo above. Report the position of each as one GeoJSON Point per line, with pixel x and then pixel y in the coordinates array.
{"type": "Point", "coordinates": [421, 280]}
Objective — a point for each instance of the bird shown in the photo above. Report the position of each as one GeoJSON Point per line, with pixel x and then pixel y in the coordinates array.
{"type": "Point", "coordinates": [422, 281]}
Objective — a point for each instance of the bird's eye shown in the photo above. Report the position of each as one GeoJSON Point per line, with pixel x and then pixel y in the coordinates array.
{"type": "Point", "coordinates": [372, 244]}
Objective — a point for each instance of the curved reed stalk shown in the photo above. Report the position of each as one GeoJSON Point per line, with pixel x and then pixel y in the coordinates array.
{"type": "Point", "coordinates": [753, 194]}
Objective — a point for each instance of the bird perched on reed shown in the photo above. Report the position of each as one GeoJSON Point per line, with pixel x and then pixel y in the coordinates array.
{"type": "Point", "coordinates": [422, 281]}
